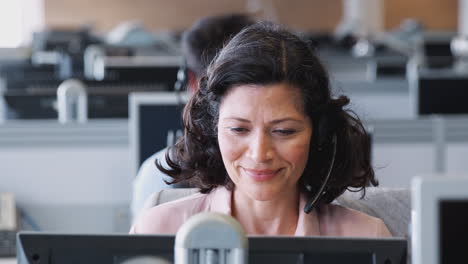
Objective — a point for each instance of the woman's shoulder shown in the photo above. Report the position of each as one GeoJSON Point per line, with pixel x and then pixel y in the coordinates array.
{"type": "Point", "coordinates": [337, 220]}
{"type": "Point", "coordinates": [166, 218]}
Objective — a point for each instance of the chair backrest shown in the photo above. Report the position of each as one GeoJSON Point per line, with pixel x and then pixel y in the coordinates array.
{"type": "Point", "coordinates": [167, 195]}
{"type": "Point", "coordinates": [391, 205]}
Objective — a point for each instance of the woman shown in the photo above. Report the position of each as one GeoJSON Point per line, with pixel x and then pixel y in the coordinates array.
{"type": "Point", "coordinates": [266, 143]}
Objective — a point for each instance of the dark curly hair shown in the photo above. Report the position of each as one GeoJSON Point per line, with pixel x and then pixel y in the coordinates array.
{"type": "Point", "coordinates": [263, 54]}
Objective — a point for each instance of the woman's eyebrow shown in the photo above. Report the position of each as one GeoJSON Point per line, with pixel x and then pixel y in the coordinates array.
{"type": "Point", "coordinates": [237, 119]}
{"type": "Point", "coordinates": [276, 121]}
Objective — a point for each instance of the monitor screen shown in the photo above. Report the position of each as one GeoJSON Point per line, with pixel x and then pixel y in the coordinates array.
{"type": "Point", "coordinates": [160, 125]}
{"type": "Point", "coordinates": [437, 51]}
{"type": "Point", "coordinates": [440, 91]}
{"type": "Point", "coordinates": [109, 249]}
{"type": "Point", "coordinates": [453, 221]}
{"type": "Point", "coordinates": [442, 95]}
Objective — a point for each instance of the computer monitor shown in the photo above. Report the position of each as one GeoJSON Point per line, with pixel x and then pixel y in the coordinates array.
{"type": "Point", "coordinates": [116, 249]}
{"type": "Point", "coordinates": [441, 92]}
{"type": "Point", "coordinates": [440, 217]}
{"type": "Point", "coordinates": [155, 122]}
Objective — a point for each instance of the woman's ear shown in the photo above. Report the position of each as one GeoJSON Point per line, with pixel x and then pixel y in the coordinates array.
{"type": "Point", "coordinates": [192, 81]}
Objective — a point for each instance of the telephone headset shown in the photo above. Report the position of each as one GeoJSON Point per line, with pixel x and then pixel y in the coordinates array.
{"type": "Point", "coordinates": [326, 141]}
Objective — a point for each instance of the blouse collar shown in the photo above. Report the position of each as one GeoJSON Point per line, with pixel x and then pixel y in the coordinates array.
{"type": "Point", "coordinates": [307, 224]}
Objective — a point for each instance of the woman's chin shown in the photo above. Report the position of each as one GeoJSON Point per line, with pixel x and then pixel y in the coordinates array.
{"type": "Point", "coordinates": [263, 194]}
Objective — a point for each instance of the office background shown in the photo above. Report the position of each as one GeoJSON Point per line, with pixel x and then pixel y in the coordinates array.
{"type": "Point", "coordinates": [78, 177]}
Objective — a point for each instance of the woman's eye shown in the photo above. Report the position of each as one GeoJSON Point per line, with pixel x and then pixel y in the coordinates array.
{"type": "Point", "coordinates": [238, 130]}
{"type": "Point", "coordinates": [284, 132]}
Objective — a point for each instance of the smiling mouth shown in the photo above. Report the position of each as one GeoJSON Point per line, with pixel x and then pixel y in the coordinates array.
{"type": "Point", "coordinates": [261, 175]}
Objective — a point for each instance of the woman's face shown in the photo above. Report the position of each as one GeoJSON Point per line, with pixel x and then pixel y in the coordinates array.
{"type": "Point", "coordinates": [264, 138]}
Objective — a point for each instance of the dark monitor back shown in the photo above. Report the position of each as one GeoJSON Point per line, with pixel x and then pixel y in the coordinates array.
{"type": "Point", "coordinates": [442, 95]}
{"type": "Point", "coordinates": [109, 249]}
{"type": "Point", "coordinates": [326, 250]}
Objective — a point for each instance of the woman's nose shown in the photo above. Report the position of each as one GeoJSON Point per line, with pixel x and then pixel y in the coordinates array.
{"type": "Point", "coordinates": [260, 148]}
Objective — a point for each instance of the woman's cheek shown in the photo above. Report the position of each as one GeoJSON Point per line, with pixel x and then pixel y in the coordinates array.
{"type": "Point", "coordinates": [229, 146]}
{"type": "Point", "coordinates": [298, 153]}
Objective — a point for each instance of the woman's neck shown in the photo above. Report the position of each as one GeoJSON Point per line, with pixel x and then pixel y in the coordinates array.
{"type": "Point", "coordinates": [275, 217]}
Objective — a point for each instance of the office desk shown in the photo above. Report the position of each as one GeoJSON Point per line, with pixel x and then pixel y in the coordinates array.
{"type": "Point", "coordinates": [8, 261]}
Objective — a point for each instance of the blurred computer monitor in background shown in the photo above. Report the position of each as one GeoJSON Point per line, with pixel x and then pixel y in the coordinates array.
{"type": "Point", "coordinates": [155, 121]}
{"type": "Point", "coordinates": [442, 91]}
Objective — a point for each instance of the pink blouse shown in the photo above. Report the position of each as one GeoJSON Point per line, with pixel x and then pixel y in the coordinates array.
{"type": "Point", "coordinates": [330, 220]}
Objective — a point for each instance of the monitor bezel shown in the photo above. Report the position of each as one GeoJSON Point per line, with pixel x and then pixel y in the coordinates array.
{"type": "Point", "coordinates": [427, 193]}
